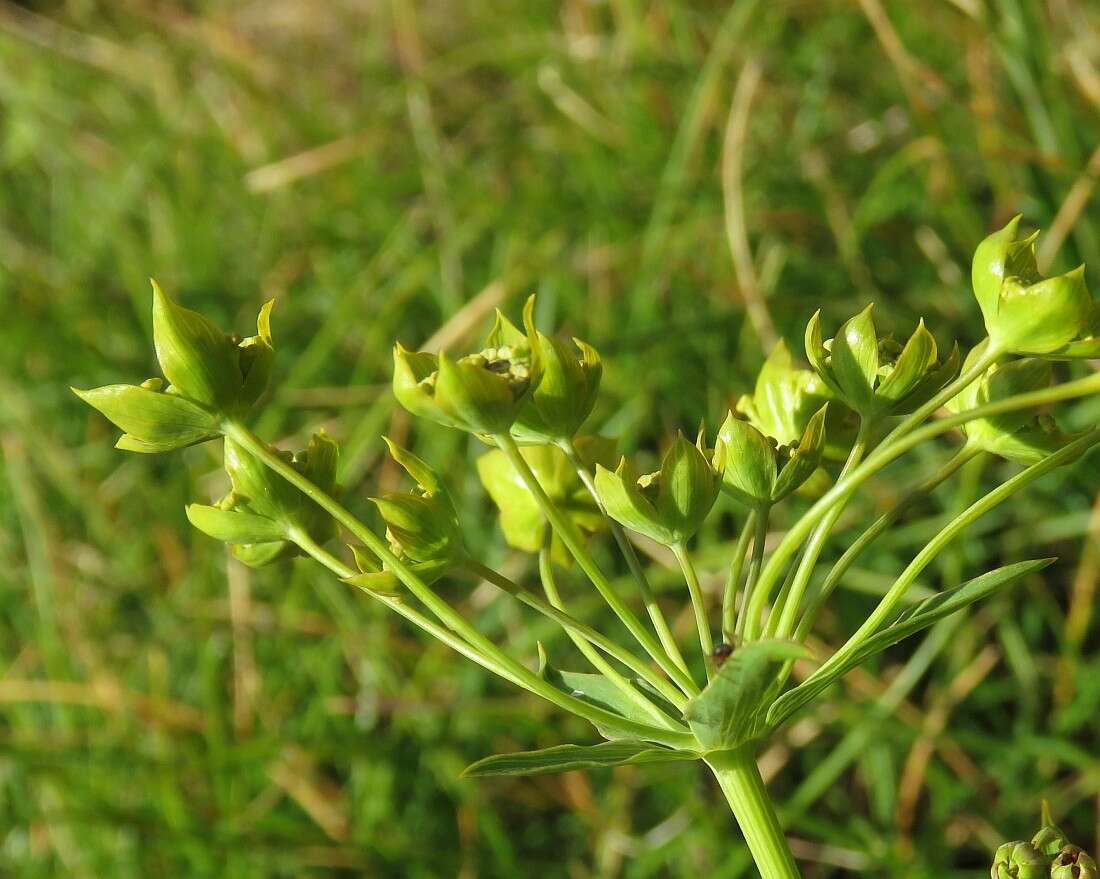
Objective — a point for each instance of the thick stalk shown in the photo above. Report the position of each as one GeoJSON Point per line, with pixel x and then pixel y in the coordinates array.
{"type": "Point", "coordinates": [578, 631]}
{"type": "Point", "coordinates": [733, 581]}
{"type": "Point", "coordinates": [747, 623]}
{"type": "Point", "coordinates": [573, 542]}
{"type": "Point", "coordinates": [656, 615]}
{"type": "Point", "coordinates": [446, 614]}
{"type": "Point", "coordinates": [740, 781]}
{"type": "Point", "coordinates": [949, 532]}
{"type": "Point", "coordinates": [782, 620]}
{"type": "Point", "coordinates": [853, 552]}
{"type": "Point", "coordinates": [698, 601]}
{"type": "Point", "coordinates": [884, 455]}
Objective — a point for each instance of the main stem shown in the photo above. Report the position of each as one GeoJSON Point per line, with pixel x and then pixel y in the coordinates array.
{"type": "Point", "coordinates": [740, 781]}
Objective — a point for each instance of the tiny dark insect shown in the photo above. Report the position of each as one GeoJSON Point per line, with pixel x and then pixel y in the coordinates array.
{"type": "Point", "coordinates": [721, 653]}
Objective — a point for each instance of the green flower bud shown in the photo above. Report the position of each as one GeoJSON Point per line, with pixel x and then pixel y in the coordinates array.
{"type": "Point", "coordinates": [422, 526]}
{"type": "Point", "coordinates": [262, 512]}
{"type": "Point", "coordinates": [1023, 437]}
{"type": "Point", "coordinates": [211, 375]}
{"type": "Point", "coordinates": [1019, 860]}
{"type": "Point", "coordinates": [756, 470]}
{"type": "Point", "coordinates": [1025, 313]}
{"type": "Point", "coordinates": [564, 395]}
{"type": "Point", "coordinates": [1072, 862]}
{"type": "Point", "coordinates": [878, 377]}
{"type": "Point", "coordinates": [668, 506]}
{"type": "Point", "coordinates": [482, 393]}
{"type": "Point", "coordinates": [521, 518]}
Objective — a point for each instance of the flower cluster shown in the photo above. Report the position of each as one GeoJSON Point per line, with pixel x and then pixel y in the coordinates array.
{"type": "Point", "coordinates": [864, 400]}
{"type": "Point", "coordinates": [1048, 855]}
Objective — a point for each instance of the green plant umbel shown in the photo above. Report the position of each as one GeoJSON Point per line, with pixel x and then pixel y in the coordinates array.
{"type": "Point", "coordinates": [1048, 854]}
{"type": "Point", "coordinates": [821, 433]}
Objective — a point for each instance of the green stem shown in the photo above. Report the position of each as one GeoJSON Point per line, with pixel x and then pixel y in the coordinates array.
{"type": "Point", "coordinates": [578, 631]}
{"type": "Point", "coordinates": [949, 532]}
{"type": "Point", "coordinates": [573, 542]}
{"type": "Point", "coordinates": [733, 581]}
{"type": "Point", "coordinates": [740, 780]}
{"type": "Point", "coordinates": [747, 623]}
{"type": "Point", "coordinates": [698, 601]}
{"type": "Point", "coordinates": [318, 553]}
{"type": "Point", "coordinates": [783, 617]}
{"type": "Point", "coordinates": [601, 665]}
{"type": "Point", "coordinates": [882, 456]}
{"type": "Point", "coordinates": [446, 614]}
{"type": "Point", "coordinates": [656, 616]}
{"type": "Point", "coordinates": [947, 393]}
{"type": "Point", "coordinates": [845, 562]}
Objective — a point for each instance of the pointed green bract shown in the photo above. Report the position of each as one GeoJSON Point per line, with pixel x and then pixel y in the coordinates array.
{"type": "Point", "coordinates": [153, 420]}
{"type": "Point", "coordinates": [234, 526]}
{"type": "Point", "coordinates": [747, 461]}
{"type": "Point", "coordinates": [855, 361]}
{"type": "Point", "coordinates": [195, 356]}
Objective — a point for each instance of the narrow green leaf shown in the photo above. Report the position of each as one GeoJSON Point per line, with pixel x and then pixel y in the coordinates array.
{"type": "Point", "coordinates": [914, 620]}
{"type": "Point", "coordinates": [599, 691]}
{"type": "Point", "coordinates": [570, 758]}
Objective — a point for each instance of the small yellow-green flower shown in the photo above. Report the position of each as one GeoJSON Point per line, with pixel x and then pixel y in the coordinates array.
{"type": "Point", "coordinates": [566, 390]}
{"type": "Point", "coordinates": [482, 393]}
{"type": "Point", "coordinates": [878, 377]}
{"type": "Point", "coordinates": [422, 528]}
{"type": "Point", "coordinates": [1019, 860]}
{"type": "Point", "coordinates": [1024, 312]}
{"type": "Point", "coordinates": [211, 376]}
{"type": "Point", "coordinates": [668, 506]}
{"type": "Point", "coordinates": [1073, 862]}
{"type": "Point", "coordinates": [756, 470]}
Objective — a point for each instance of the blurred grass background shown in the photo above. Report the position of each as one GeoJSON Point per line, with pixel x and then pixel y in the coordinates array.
{"type": "Point", "coordinates": [393, 170]}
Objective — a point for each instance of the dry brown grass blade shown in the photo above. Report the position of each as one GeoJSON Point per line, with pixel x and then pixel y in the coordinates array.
{"type": "Point", "coordinates": [733, 150]}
